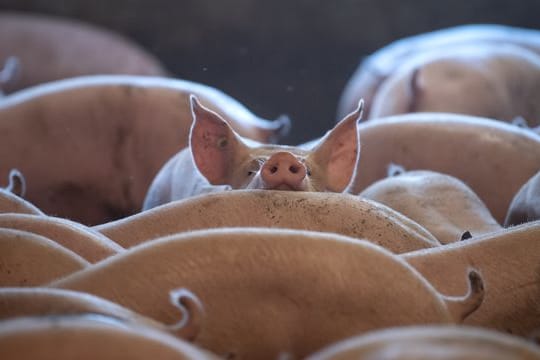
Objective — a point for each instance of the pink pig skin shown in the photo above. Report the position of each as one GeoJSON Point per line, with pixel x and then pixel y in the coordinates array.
{"type": "Point", "coordinates": [493, 81]}
{"type": "Point", "coordinates": [380, 65]}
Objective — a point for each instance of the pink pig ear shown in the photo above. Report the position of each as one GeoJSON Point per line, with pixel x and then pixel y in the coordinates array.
{"type": "Point", "coordinates": [214, 144]}
{"type": "Point", "coordinates": [339, 152]}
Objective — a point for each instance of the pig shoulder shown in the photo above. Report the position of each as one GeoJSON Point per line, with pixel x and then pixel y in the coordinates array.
{"type": "Point", "coordinates": [178, 179]}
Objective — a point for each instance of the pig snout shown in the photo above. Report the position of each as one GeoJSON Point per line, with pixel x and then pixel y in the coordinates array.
{"type": "Point", "coordinates": [283, 171]}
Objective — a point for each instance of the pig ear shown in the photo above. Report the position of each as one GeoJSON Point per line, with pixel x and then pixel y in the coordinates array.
{"type": "Point", "coordinates": [214, 144]}
{"type": "Point", "coordinates": [338, 152]}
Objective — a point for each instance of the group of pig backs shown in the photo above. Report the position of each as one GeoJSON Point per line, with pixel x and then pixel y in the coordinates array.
{"type": "Point", "coordinates": [436, 258]}
{"type": "Point", "coordinates": [267, 274]}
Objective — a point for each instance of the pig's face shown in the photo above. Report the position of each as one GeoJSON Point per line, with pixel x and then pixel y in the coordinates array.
{"type": "Point", "coordinates": [224, 158]}
{"type": "Point", "coordinates": [278, 167]}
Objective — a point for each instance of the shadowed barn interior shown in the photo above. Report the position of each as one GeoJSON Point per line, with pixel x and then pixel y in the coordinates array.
{"type": "Point", "coordinates": [276, 57]}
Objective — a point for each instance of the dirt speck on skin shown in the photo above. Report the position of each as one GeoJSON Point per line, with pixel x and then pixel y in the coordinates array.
{"type": "Point", "coordinates": [282, 202]}
{"type": "Point", "coordinates": [357, 231]}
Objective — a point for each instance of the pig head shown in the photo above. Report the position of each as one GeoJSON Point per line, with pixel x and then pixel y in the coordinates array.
{"type": "Point", "coordinates": [219, 159]}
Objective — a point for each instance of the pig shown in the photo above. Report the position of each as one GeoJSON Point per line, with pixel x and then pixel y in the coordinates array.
{"type": "Point", "coordinates": [218, 159]}
{"type": "Point", "coordinates": [431, 342]}
{"type": "Point", "coordinates": [45, 53]}
{"type": "Point", "coordinates": [39, 301]}
{"type": "Point", "coordinates": [503, 78]}
{"type": "Point", "coordinates": [380, 65]}
{"type": "Point", "coordinates": [122, 128]}
{"type": "Point", "coordinates": [442, 142]}
{"type": "Point", "coordinates": [443, 204]}
{"type": "Point", "coordinates": [525, 205]}
{"type": "Point", "coordinates": [508, 260]}
{"type": "Point", "coordinates": [91, 245]}
{"type": "Point", "coordinates": [89, 337]}
{"type": "Point", "coordinates": [29, 259]}
{"type": "Point", "coordinates": [272, 291]}
{"type": "Point", "coordinates": [343, 214]}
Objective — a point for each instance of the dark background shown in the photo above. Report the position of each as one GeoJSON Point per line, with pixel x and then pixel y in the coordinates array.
{"type": "Point", "coordinates": [278, 56]}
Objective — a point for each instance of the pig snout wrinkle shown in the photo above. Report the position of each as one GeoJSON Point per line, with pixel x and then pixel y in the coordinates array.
{"type": "Point", "coordinates": [283, 170]}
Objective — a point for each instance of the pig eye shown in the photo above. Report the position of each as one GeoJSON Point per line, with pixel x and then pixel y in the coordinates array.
{"type": "Point", "coordinates": [250, 173]}
{"type": "Point", "coordinates": [308, 171]}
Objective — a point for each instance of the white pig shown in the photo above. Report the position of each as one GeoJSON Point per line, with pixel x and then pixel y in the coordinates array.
{"type": "Point", "coordinates": [219, 159]}
{"type": "Point", "coordinates": [493, 81]}
{"type": "Point", "coordinates": [380, 65]}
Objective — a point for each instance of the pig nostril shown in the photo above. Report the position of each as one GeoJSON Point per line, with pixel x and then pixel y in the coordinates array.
{"type": "Point", "coordinates": [293, 169]}
{"type": "Point", "coordinates": [273, 169]}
